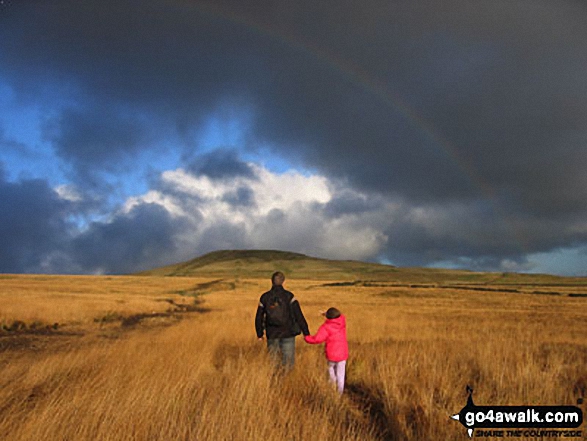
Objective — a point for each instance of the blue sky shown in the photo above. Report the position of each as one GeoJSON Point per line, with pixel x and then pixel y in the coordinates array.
{"type": "Point", "coordinates": [412, 133]}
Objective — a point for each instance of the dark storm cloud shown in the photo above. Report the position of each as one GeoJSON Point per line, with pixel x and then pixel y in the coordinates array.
{"type": "Point", "coordinates": [222, 236]}
{"type": "Point", "coordinates": [34, 224]}
{"type": "Point", "coordinates": [130, 242]}
{"type": "Point", "coordinates": [495, 97]}
{"type": "Point", "coordinates": [346, 202]}
{"type": "Point", "coordinates": [474, 236]}
{"type": "Point", "coordinates": [446, 104]}
{"type": "Point", "coordinates": [221, 164]}
{"type": "Point", "coordinates": [39, 233]}
{"type": "Point", "coordinates": [440, 233]}
{"type": "Point", "coordinates": [432, 104]}
{"type": "Point", "coordinates": [242, 196]}
{"type": "Point", "coordinates": [96, 137]}
{"type": "Point", "coordinates": [118, 76]}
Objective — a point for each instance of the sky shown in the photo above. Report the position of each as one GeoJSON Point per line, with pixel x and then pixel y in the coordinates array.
{"type": "Point", "coordinates": [135, 134]}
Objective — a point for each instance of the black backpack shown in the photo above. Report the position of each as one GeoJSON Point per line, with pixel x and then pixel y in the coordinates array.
{"type": "Point", "coordinates": [278, 312]}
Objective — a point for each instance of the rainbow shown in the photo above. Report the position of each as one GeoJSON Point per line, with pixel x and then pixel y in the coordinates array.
{"type": "Point", "coordinates": [371, 85]}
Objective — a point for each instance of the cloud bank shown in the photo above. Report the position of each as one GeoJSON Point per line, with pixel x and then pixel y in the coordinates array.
{"type": "Point", "coordinates": [417, 132]}
{"type": "Point", "coordinates": [189, 212]}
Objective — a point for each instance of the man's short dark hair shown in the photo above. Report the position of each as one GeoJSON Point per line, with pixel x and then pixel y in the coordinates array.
{"type": "Point", "coordinates": [277, 278]}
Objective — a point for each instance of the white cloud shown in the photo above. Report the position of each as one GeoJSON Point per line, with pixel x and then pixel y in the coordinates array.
{"type": "Point", "coordinates": [281, 211]}
{"type": "Point", "coordinates": [313, 215]}
{"type": "Point", "coordinates": [282, 191]}
{"type": "Point", "coordinates": [271, 190]}
{"type": "Point", "coordinates": [69, 193]}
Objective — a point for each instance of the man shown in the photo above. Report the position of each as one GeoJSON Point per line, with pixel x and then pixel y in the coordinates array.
{"type": "Point", "coordinates": [280, 317]}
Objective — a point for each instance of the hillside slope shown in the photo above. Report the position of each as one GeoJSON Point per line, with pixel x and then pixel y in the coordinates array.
{"type": "Point", "coordinates": [262, 263]}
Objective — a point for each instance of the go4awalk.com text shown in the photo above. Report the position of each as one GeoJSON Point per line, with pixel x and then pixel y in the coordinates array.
{"type": "Point", "coordinates": [520, 421]}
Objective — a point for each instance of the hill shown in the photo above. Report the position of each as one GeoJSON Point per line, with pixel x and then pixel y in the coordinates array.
{"type": "Point", "coordinates": [262, 263]}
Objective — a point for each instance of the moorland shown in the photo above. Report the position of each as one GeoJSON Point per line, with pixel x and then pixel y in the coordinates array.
{"type": "Point", "coordinates": [171, 353]}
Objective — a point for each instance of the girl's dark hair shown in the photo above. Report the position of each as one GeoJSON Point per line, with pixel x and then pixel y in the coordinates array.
{"type": "Point", "coordinates": [332, 313]}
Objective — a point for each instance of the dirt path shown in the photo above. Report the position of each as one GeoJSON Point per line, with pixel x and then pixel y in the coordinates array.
{"type": "Point", "coordinates": [372, 406]}
{"type": "Point", "coordinates": [35, 342]}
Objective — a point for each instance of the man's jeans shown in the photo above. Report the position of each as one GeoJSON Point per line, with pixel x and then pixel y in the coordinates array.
{"type": "Point", "coordinates": [285, 346]}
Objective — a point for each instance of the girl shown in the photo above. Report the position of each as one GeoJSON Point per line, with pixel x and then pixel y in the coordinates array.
{"type": "Point", "coordinates": [333, 333]}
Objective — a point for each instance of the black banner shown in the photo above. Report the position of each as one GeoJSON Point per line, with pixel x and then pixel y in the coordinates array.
{"type": "Point", "coordinates": [519, 417]}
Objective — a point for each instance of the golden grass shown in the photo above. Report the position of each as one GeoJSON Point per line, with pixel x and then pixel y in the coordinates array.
{"type": "Point", "coordinates": [412, 351]}
{"type": "Point", "coordinates": [82, 299]}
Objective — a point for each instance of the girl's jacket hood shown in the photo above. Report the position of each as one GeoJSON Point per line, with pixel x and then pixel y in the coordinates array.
{"type": "Point", "coordinates": [336, 323]}
{"type": "Point", "coordinates": [333, 333]}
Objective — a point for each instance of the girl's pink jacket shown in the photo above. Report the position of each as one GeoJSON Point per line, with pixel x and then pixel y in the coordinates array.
{"type": "Point", "coordinates": [333, 333]}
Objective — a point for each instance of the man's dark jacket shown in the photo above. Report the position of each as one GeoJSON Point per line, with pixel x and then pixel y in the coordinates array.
{"type": "Point", "coordinates": [279, 331]}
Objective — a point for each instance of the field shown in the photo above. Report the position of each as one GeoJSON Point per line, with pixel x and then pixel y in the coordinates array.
{"type": "Point", "coordinates": [176, 358]}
